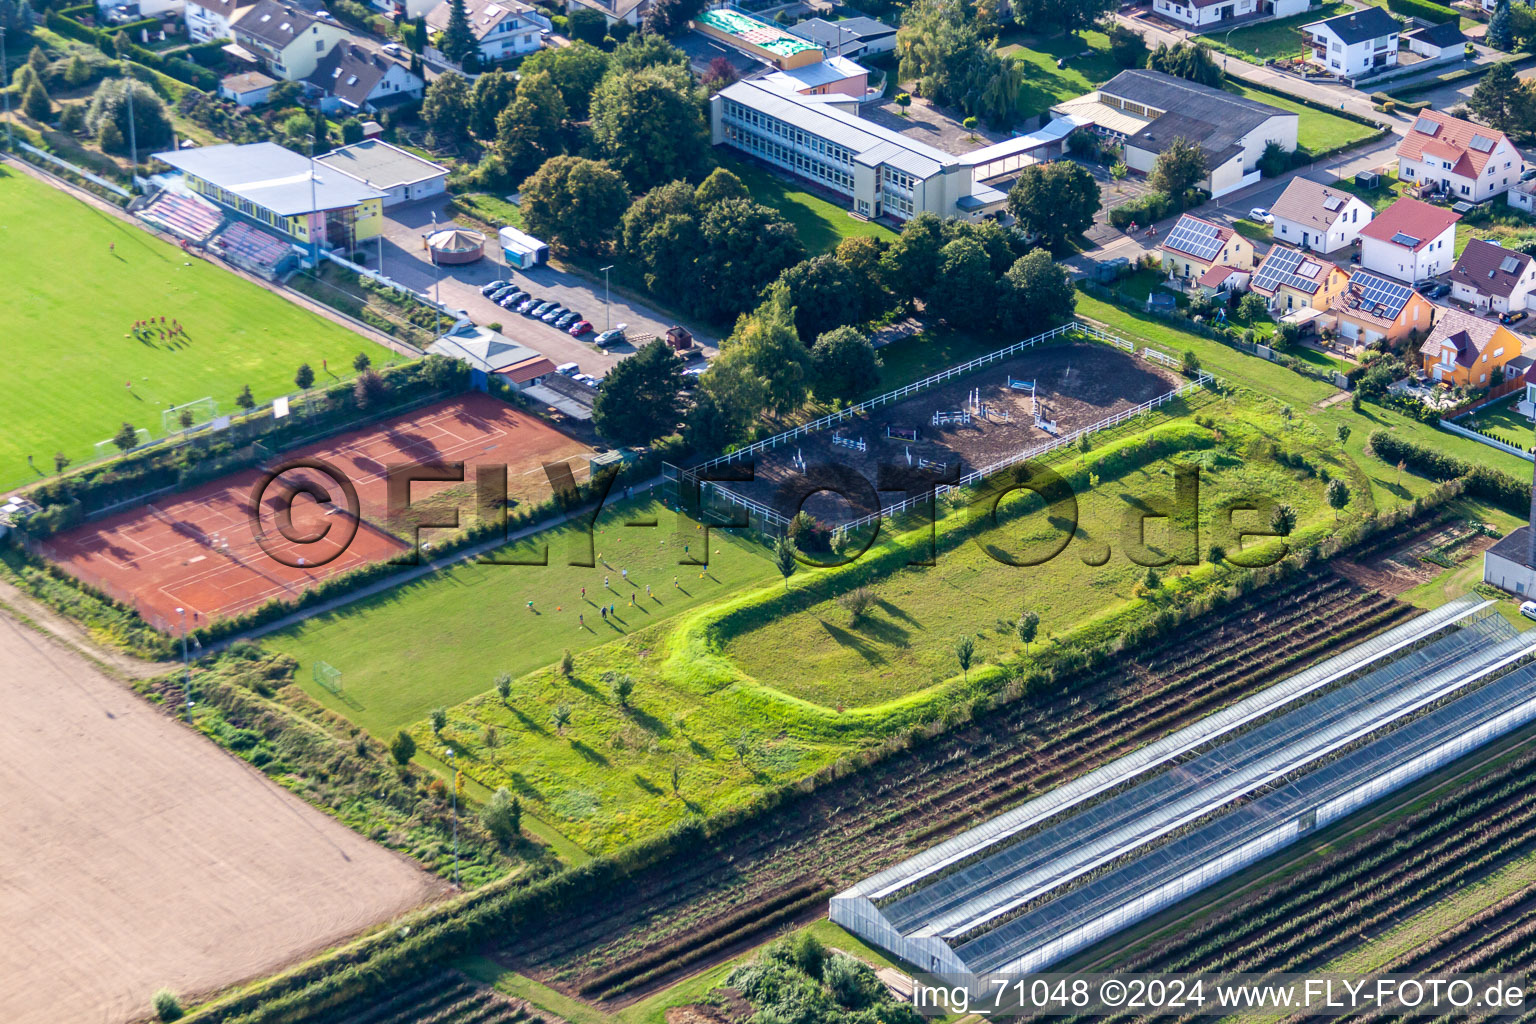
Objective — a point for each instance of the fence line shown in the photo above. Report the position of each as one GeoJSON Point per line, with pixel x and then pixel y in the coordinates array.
{"type": "Point", "coordinates": [976, 475]}
{"type": "Point", "coordinates": [818, 425]}
{"type": "Point", "coordinates": [87, 175]}
{"type": "Point", "coordinates": [1491, 442]}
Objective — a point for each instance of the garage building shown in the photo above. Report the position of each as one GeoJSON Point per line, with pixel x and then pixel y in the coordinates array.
{"type": "Point", "coordinates": [402, 176]}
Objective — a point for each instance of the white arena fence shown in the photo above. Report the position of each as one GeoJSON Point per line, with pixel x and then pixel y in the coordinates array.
{"type": "Point", "coordinates": [771, 518]}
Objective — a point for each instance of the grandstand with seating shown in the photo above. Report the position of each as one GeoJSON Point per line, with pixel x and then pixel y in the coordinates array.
{"type": "Point", "coordinates": [247, 246]}
{"type": "Point", "coordinates": [183, 215]}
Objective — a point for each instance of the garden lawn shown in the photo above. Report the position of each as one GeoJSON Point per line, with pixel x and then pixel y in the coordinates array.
{"type": "Point", "coordinates": [492, 211]}
{"type": "Point", "coordinates": [1045, 85]}
{"type": "Point", "coordinates": [1503, 419]}
{"type": "Point", "coordinates": [1317, 130]}
{"type": "Point", "coordinates": [1271, 40]}
{"type": "Point", "coordinates": [78, 278]}
{"type": "Point", "coordinates": [1510, 228]}
{"type": "Point", "coordinates": [820, 223]}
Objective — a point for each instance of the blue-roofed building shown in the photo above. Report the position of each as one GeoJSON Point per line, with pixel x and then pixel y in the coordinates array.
{"type": "Point", "coordinates": [299, 197]}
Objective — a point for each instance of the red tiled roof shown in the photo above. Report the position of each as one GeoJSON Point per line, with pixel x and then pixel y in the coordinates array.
{"type": "Point", "coordinates": [1450, 142]}
{"type": "Point", "coordinates": [1410, 217]}
{"type": "Point", "coordinates": [522, 372]}
{"type": "Point", "coordinates": [1217, 274]}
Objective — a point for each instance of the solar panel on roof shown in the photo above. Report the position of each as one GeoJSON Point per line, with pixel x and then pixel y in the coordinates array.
{"type": "Point", "coordinates": [1285, 266]}
{"type": "Point", "coordinates": [1403, 238]}
{"type": "Point", "coordinates": [1332, 203]}
{"type": "Point", "coordinates": [1481, 143]}
{"type": "Point", "coordinates": [1509, 265]}
{"type": "Point", "coordinates": [1388, 297]}
{"type": "Point", "coordinates": [1199, 239]}
{"type": "Point", "coordinates": [1426, 126]}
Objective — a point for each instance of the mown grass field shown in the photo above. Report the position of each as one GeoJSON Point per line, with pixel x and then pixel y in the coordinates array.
{"type": "Point", "coordinates": [1317, 130]}
{"type": "Point", "coordinates": [78, 279]}
{"type": "Point", "coordinates": [1088, 66]}
{"type": "Point", "coordinates": [905, 643]}
{"type": "Point", "coordinates": [820, 222]}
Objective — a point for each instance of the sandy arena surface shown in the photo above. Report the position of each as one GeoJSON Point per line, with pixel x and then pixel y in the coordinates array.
{"type": "Point", "coordinates": [137, 854]}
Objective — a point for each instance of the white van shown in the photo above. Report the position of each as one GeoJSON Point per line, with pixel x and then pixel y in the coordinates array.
{"type": "Point", "coordinates": [568, 369]}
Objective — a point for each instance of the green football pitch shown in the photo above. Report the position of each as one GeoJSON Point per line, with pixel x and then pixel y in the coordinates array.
{"type": "Point", "coordinates": [77, 278]}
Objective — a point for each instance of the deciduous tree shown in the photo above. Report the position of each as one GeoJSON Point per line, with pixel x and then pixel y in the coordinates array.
{"type": "Point", "coordinates": [1054, 201]}
{"type": "Point", "coordinates": [446, 106]}
{"type": "Point", "coordinates": [640, 398]}
{"type": "Point", "coordinates": [1179, 167]}
{"type": "Point", "coordinates": [1036, 291]}
{"type": "Point", "coordinates": [766, 340]}
{"type": "Point", "coordinates": [576, 71]}
{"type": "Point", "coordinates": [650, 125]}
{"type": "Point", "coordinates": [844, 365]}
{"type": "Point", "coordinates": [529, 132]}
{"type": "Point", "coordinates": [574, 203]}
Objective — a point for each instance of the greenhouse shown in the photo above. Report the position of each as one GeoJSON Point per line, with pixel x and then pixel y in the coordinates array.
{"type": "Point", "coordinates": [1116, 845]}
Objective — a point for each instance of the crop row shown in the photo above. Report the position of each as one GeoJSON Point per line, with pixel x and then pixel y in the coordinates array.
{"type": "Point", "coordinates": [1320, 912]}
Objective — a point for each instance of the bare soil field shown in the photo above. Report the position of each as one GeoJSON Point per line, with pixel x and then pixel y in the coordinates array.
{"type": "Point", "coordinates": [1076, 386]}
{"type": "Point", "coordinates": [140, 855]}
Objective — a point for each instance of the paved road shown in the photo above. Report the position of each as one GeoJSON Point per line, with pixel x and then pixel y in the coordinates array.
{"type": "Point", "coordinates": [1113, 242]}
{"type": "Point", "coordinates": [405, 260]}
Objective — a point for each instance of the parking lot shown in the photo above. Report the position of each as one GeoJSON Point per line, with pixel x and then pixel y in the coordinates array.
{"type": "Point", "coordinates": [406, 261]}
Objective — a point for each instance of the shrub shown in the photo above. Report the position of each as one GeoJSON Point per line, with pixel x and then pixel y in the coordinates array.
{"type": "Point", "coordinates": [402, 748]}
{"type": "Point", "coordinates": [167, 1006]}
{"type": "Point", "coordinates": [503, 816]}
{"type": "Point", "coordinates": [856, 602]}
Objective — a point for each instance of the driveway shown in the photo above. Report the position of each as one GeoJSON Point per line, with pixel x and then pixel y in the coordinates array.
{"type": "Point", "coordinates": [405, 261]}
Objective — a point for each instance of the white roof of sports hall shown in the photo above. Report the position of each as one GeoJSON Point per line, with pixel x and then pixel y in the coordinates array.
{"type": "Point", "coordinates": [871, 143]}
{"type": "Point", "coordinates": [272, 177]}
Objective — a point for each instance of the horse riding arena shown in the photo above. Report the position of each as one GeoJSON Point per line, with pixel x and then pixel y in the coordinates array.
{"type": "Point", "coordinates": [969, 422]}
{"type": "Point", "coordinates": [198, 550]}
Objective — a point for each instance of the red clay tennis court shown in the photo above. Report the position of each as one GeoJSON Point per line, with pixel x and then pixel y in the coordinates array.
{"type": "Point", "coordinates": [197, 550]}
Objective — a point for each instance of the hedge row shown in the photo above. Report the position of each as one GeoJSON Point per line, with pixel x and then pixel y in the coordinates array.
{"type": "Point", "coordinates": [1509, 492]}
{"type": "Point", "coordinates": [157, 467]}
{"type": "Point", "coordinates": [510, 907]}
{"type": "Point", "coordinates": [1431, 12]}
{"type": "Point", "coordinates": [1348, 115]}
{"type": "Point", "coordinates": [182, 70]}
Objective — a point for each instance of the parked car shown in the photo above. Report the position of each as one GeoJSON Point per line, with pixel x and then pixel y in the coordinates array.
{"type": "Point", "coordinates": [567, 318]}
{"type": "Point", "coordinates": [1261, 215]}
{"type": "Point", "coordinates": [1513, 318]}
{"type": "Point", "coordinates": [551, 315]}
{"type": "Point", "coordinates": [493, 286]}
{"type": "Point", "coordinates": [542, 308]}
{"type": "Point", "coordinates": [580, 327]}
{"type": "Point", "coordinates": [1528, 174]}
{"type": "Point", "coordinates": [568, 369]}
{"type": "Point", "coordinates": [503, 292]}
{"type": "Point", "coordinates": [1437, 290]}
{"type": "Point", "coordinates": [612, 337]}
{"type": "Point", "coordinates": [529, 304]}
{"type": "Point", "coordinates": [515, 299]}
{"type": "Point", "coordinates": [1528, 609]}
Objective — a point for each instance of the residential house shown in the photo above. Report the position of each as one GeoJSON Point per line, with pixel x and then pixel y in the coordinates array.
{"type": "Point", "coordinates": [1510, 564]}
{"type": "Point", "coordinates": [288, 40]}
{"type": "Point", "coordinates": [1205, 14]}
{"type": "Point", "coordinates": [1493, 278]}
{"type": "Point", "coordinates": [631, 12]}
{"type": "Point", "coordinates": [504, 28]}
{"type": "Point", "coordinates": [1466, 350]}
{"type": "Point", "coordinates": [247, 89]}
{"type": "Point", "coordinates": [1410, 240]}
{"type": "Point", "coordinates": [852, 37]}
{"type": "Point", "coordinates": [1373, 308]}
{"type": "Point", "coordinates": [1147, 110]}
{"type": "Point", "coordinates": [1355, 44]}
{"type": "Point", "coordinates": [1460, 158]}
{"type": "Point", "coordinates": [1436, 42]}
{"type": "Point", "coordinates": [1221, 278]}
{"type": "Point", "coordinates": [359, 79]}
{"type": "Point", "coordinates": [1316, 216]}
{"type": "Point", "coordinates": [1291, 279]}
{"type": "Point", "coordinates": [208, 20]}
{"type": "Point", "coordinates": [1194, 246]}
